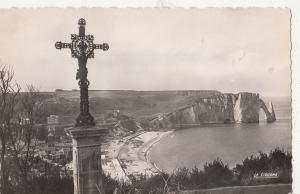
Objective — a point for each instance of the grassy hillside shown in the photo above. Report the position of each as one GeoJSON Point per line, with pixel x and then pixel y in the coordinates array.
{"type": "Point", "coordinates": [138, 104]}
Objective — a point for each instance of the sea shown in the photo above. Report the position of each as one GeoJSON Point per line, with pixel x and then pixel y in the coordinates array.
{"type": "Point", "coordinates": [231, 143]}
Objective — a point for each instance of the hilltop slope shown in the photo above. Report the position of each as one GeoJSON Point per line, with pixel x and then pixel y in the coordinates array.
{"type": "Point", "coordinates": [137, 104]}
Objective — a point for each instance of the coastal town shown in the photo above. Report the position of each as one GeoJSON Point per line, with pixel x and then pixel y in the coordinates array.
{"type": "Point", "coordinates": [124, 152]}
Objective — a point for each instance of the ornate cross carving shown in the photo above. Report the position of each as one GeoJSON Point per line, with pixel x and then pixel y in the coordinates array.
{"type": "Point", "coordinates": [82, 48]}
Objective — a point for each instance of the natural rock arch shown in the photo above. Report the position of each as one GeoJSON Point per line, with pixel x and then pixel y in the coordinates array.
{"type": "Point", "coordinates": [270, 114]}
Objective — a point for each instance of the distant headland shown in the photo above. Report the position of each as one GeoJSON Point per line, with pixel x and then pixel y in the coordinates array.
{"type": "Point", "coordinates": [243, 107]}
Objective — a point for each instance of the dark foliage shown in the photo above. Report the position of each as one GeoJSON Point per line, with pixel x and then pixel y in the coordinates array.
{"type": "Point", "coordinates": [213, 174]}
{"type": "Point", "coordinates": [217, 174]}
{"type": "Point", "coordinates": [57, 185]}
{"type": "Point", "coordinates": [278, 161]}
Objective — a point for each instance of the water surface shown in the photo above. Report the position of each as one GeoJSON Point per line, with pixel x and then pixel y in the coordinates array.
{"type": "Point", "coordinates": [229, 142]}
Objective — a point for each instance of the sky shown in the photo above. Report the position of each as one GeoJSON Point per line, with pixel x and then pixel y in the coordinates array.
{"type": "Point", "coordinates": [229, 50]}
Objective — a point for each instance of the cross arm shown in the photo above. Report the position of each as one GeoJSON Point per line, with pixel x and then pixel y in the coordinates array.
{"type": "Point", "coordinates": [60, 45]}
{"type": "Point", "coordinates": [103, 46]}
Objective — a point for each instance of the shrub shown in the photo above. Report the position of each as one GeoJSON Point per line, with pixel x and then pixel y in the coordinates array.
{"type": "Point", "coordinates": [278, 161]}
{"type": "Point", "coordinates": [217, 174]}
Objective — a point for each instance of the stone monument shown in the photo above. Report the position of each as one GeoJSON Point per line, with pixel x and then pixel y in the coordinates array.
{"type": "Point", "coordinates": [86, 136]}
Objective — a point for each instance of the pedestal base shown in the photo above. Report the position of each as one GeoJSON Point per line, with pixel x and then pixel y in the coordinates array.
{"type": "Point", "coordinates": [87, 171]}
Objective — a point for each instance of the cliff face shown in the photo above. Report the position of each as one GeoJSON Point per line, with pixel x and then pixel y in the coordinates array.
{"type": "Point", "coordinates": [222, 108]}
{"type": "Point", "coordinates": [246, 109]}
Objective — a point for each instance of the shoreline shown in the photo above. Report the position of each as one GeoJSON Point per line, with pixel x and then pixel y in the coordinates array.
{"type": "Point", "coordinates": [130, 155]}
{"type": "Point", "coordinates": [150, 145]}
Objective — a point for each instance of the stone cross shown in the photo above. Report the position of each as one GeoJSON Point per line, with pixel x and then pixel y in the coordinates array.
{"type": "Point", "coordinates": [86, 137]}
{"type": "Point", "coordinates": [82, 48]}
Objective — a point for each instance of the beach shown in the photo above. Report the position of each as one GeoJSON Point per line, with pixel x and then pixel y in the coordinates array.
{"type": "Point", "coordinates": [128, 156]}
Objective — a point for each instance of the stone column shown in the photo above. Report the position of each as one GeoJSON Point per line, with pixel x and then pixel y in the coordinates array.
{"type": "Point", "coordinates": [87, 171]}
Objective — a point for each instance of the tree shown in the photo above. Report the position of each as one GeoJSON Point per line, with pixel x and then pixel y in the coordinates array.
{"type": "Point", "coordinates": [23, 134]}
{"type": "Point", "coordinates": [216, 173]}
{"type": "Point", "coordinates": [9, 91]}
{"type": "Point", "coordinates": [19, 113]}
